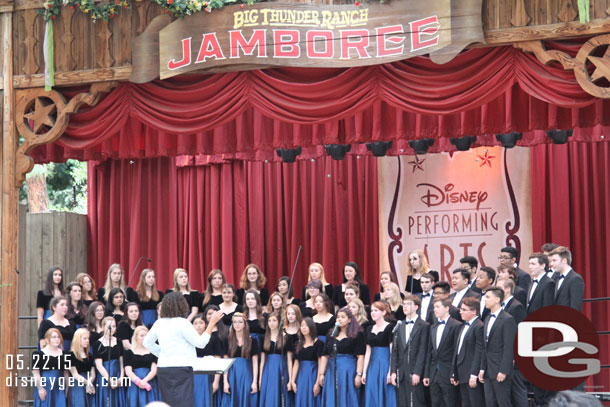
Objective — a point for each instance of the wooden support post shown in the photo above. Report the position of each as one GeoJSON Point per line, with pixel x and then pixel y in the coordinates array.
{"type": "Point", "coordinates": [8, 216]}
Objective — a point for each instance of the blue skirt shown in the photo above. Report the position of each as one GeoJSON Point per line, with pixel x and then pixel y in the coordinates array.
{"type": "Point", "coordinates": [78, 397]}
{"type": "Point", "coordinates": [149, 316]}
{"type": "Point", "coordinates": [377, 393]}
{"type": "Point", "coordinates": [240, 380]}
{"type": "Point", "coordinates": [346, 372]}
{"type": "Point", "coordinates": [56, 396]}
{"type": "Point", "coordinates": [137, 397]}
{"type": "Point", "coordinates": [323, 339]}
{"type": "Point", "coordinates": [271, 383]}
{"type": "Point", "coordinates": [201, 387]}
{"type": "Point", "coordinates": [306, 378]}
{"type": "Point", "coordinates": [103, 389]}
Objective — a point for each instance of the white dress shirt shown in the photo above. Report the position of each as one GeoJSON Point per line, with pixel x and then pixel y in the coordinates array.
{"type": "Point", "coordinates": [425, 303]}
{"type": "Point", "coordinates": [535, 282]}
{"type": "Point", "coordinates": [560, 280]}
{"type": "Point", "coordinates": [492, 318]}
{"type": "Point", "coordinates": [458, 296]}
{"type": "Point", "coordinates": [464, 331]}
{"type": "Point", "coordinates": [440, 329]}
{"type": "Point", "coordinates": [177, 342]}
{"type": "Point", "coordinates": [409, 327]}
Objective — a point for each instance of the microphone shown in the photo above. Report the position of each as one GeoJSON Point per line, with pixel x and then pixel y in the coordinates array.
{"type": "Point", "coordinates": [399, 324]}
{"type": "Point", "coordinates": [335, 330]}
{"type": "Point", "coordinates": [133, 273]}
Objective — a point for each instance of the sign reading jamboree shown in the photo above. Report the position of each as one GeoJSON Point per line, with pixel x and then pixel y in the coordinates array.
{"type": "Point", "coordinates": [295, 34]}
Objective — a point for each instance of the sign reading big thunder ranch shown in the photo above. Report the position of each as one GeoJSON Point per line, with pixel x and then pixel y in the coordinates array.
{"type": "Point", "coordinates": [296, 34]}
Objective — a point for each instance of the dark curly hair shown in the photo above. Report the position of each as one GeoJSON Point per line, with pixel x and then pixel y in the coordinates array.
{"type": "Point", "coordinates": [174, 305]}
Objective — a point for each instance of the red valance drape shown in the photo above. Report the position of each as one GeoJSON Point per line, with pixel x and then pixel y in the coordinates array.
{"type": "Point", "coordinates": [570, 202]}
{"type": "Point", "coordinates": [228, 215]}
{"type": "Point", "coordinates": [243, 114]}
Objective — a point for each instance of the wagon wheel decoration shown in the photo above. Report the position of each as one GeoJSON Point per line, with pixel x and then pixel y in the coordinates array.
{"type": "Point", "coordinates": [591, 65]}
{"type": "Point", "coordinates": [42, 117]}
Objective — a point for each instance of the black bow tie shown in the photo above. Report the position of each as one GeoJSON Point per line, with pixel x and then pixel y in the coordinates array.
{"type": "Point", "coordinates": [425, 295]}
{"type": "Point", "coordinates": [442, 322]}
{"type": "Point", "coordinates": [492, 316]}
{"type": "Point", "coordinates": [409, 322]}
{"type": "Point", "coordinates": [467, 323]}
{"type": "Point", "coordinates": [536, 281]}
{"type": "Point", "coordinates": [562, 276]}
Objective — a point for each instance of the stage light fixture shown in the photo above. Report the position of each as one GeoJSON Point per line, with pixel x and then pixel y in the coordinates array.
{"type": "Point", "coordinates": [337, 151]}
{"type": "Point", "coordinates": [463, 143]}
{"type": "Point", "coordinates": [509, 140]}
{"type": "Point", "coordinates": [289, 155]}
{"type": "Point", "coordinates": [379, 148]}
{"type": "Point", "coordinates": [559, 136]}
{"type": "Point", "coordinates": [421, 146]}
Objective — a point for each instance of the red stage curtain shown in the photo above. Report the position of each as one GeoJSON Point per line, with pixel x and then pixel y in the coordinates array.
{"type": "Point", "coordinates": [570, 202]}
{"type": "Point", "coordinates": [481, 92]}
{"type": "Point", "coordinates": [227, 215]}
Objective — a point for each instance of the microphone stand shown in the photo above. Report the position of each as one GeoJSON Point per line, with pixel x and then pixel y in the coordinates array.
{"type": "Point", "coordinates": [335, 368]}
{"type": "Point", "coordinates": [283, 391]}
{"type": "Point", "coordinates": [397, 364]}
{"type": "Point", "coordinates": [133, 273]}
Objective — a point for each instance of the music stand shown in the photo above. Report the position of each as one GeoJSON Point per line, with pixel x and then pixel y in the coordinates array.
{"type": "Point", "coordinates": [210, 365]}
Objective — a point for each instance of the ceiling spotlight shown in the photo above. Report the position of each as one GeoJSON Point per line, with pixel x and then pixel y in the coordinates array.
{"type": "Point", "coordinates": [379, 148]}
{"type": "Point", "coordinates": [421, 146]}
{"type": "Point", "coordinates": [337, 151]}
{"type": "Point", "coordinates": [463, 143]}
{"type": "Point", "coordinates": [289, 155]}
{"type": "Point", "coordinates": [509, 140]}
{"type": "Point", "coordinates": [559, 136]}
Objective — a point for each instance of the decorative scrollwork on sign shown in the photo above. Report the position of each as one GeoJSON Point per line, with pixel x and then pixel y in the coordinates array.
{"type": "Point", "coordinates": [593, 56]}
{"type": "Point", "coordinates": [42, 117]}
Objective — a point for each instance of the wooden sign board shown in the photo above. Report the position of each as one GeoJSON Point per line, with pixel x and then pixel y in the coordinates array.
{"type": "Point", "coordinates": [305, 35]}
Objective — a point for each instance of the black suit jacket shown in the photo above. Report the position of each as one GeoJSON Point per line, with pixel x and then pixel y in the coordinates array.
{"type": "Point", "coordinates": [543, 295]}
{"type": "Point", "coordinates": [571, 292]}
{"type": "Point", "coordinates": [468, 361]}
{"type": "Point", "coordinates": [499, 345]}
{"type": "Point", "coordinates": [441, 359]}
{"type": "Point", "coordinates": [516, 310]}
{"type": "Point", "coordinates": [415, 361]}
{"type": "Point", "coordinates": [520, 294]}
{"type": "Point", "coordinates": [469, 293]}
{"type": "Point", "coordinates": [523, 279]}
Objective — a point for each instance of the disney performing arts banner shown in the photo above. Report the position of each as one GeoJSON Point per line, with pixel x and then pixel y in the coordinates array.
{"type": "Point", "coordinates": [452, 205]}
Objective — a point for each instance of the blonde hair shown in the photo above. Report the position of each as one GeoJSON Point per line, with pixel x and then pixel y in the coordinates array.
{"type": "Point", "coordinates": [423, 260]}
{"type": "Point", "coordinates": [76, 347]}
{"type": "Point", "coordinates": [176, 274]}
{"type": "Point", "coordinates": [138, 329]}
{"type": "Point", "coordinates": [395, 301]}
{"type": "Point", "coordinates": [108, 286]}
{"type": "Point", "coordinates": [322, 278]}
{"type": "Point", "coordinates": [141, 287]}
{"type": "Point", "coordinates": [361, 315]}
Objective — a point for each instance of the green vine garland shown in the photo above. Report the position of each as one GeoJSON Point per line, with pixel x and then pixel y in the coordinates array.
{"type": "Point", "coordinates": [106, 11]}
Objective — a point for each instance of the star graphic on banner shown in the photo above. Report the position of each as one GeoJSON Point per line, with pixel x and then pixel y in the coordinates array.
{"type": "Point", "coordinates": [486, 159]}
{"type": "Point", "coordinates": [417, 163]}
